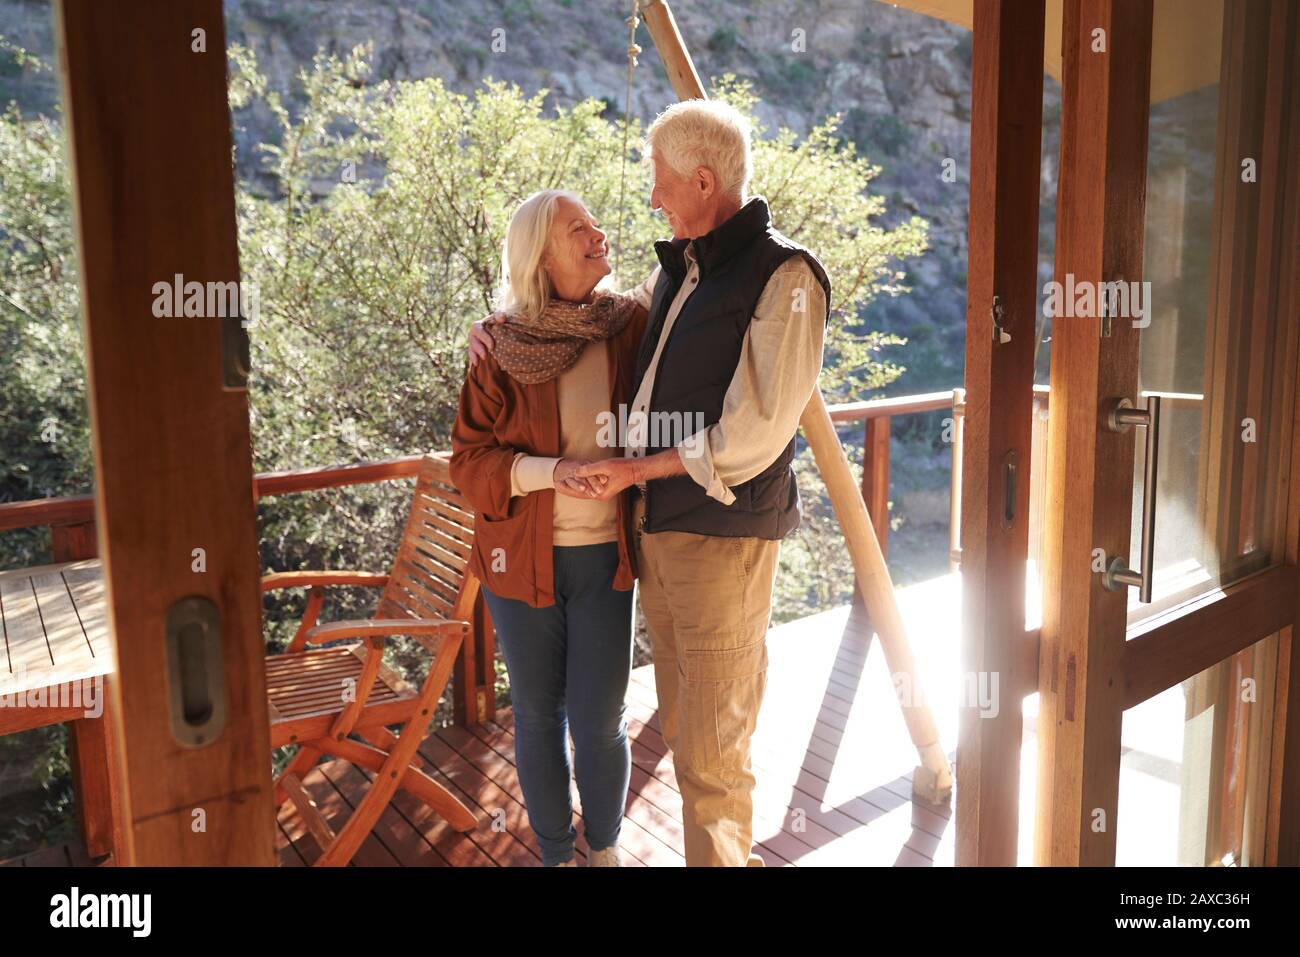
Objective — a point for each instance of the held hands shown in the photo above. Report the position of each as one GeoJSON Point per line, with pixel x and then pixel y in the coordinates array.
{"type": "Point", "coordinates": [608, 477]}
{"type": "Point", "coordinates": [567, 482]}
{"type": "Point", "coordinates": [480, 339]}
{"type": "Point", "coordinates": [600, 481]}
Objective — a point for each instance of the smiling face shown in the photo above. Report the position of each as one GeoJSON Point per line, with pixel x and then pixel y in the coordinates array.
{"type": "Point", "coordinates": [694, 205]}
{"type": "Point", "coordinates": [577, 256]}
{"type": "Point", "coordinates": [683, 199]}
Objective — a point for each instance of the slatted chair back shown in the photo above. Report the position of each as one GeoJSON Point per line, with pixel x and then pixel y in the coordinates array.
{"type": "Point", "coordinates": [430, 577]}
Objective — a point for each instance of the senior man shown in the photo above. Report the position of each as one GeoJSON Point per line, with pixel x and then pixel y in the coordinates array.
{"type": "Point", "coordinates": [737, 316]}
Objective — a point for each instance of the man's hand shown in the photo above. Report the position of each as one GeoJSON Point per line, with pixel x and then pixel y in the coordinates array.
{"type": "Point", "coordinates": [608, 477]}
{"type": "Point", "coordinates": [567, 483]}
{"type": "Point", "coordinates": [480, 340]}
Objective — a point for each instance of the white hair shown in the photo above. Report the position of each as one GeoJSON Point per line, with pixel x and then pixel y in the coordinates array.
{"type": "Point", "coordinates": [706, 133]}
{"type": "Point", "coordinates": [525, 286]}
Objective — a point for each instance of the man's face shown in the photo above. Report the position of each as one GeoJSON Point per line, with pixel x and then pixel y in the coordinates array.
{"type": "Point", "coordinates": [685, 200]}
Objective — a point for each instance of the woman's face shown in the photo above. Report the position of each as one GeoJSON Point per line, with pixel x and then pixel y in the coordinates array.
{"type": "Point", "coordinates": [576, 256]}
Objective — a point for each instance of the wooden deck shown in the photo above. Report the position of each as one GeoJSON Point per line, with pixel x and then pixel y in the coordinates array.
{"type": "Point", "coordinates": [811, 808]}
{"type": "Point", "coordinates": [831, 754]}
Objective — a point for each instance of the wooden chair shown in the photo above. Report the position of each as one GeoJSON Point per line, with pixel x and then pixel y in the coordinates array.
{"type": "Point", "coordinates": [319, 696]}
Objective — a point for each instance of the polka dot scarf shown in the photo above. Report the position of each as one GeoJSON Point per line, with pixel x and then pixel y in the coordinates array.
{"type": "Point", "coordinates": [539, 350]}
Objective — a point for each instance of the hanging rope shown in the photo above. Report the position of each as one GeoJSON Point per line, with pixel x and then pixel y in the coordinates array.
{"type": "Point", "coordinates": [633, 21]}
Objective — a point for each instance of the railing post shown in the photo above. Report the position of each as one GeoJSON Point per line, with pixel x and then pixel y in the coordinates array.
{"type": "Point", "coordinates": [70, 543]}
{"type": "Point", "coordinates": [474, 679]}
{"type": "Point", "coordinates": [875, 477]}
{"type": "Point", "coordinates": [875, 492]}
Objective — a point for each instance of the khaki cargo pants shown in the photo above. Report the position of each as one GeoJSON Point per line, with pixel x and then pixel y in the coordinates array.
{"type": "Point", "coordinates": [707, 602]}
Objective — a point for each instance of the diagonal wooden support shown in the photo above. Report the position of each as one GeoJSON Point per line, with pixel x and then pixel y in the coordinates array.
{"type": "Point", "coordinates": [932, 781]}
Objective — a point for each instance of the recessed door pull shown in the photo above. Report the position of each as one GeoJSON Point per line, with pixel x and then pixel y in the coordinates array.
{"type": "Point", "coordinates": [195, 680]}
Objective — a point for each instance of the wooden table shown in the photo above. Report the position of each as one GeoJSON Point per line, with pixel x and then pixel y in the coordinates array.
{"type": "Point", "coordinates": [54, 668]}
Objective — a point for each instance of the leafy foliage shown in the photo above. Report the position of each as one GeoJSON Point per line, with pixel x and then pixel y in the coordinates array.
{"type": "Point", "coordinates": [372, 230]}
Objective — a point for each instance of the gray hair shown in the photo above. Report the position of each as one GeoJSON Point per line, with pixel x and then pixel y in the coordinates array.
{"type": "Point", "coordinates": [706, 133]}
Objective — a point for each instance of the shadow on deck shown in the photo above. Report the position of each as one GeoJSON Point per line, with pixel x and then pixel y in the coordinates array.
{"type": "Point", "coordinates": [831, 754]}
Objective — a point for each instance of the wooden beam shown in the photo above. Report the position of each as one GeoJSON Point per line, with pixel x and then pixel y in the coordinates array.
{"type": "Point", "coordinates": [149, 132]}
{"type": "Point", "coordinates": [1100, 224]}
{"type": "Point", "coordinates": [661, 23]}
{"type": "Point", "coordinates": [1006, 120]}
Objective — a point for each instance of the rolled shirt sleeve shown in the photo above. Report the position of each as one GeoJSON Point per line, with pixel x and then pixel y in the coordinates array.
{"type": "Point", "coordinates": [780, 360]}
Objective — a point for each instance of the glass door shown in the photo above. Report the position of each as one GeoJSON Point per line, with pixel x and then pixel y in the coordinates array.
{"type": "Point", "coordinates": [1220, 353]}
{"type": "Point", "coordinates": [1213, 344]}
{"type": "Point", "coordinates": [1166, 532]}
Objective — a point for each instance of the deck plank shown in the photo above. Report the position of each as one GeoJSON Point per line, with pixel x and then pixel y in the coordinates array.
{"type": "Point", "coordinates": [394, 832]}
{"type": "Point", "coordinates": [503, 831]}
{"type": "Point", "coordinates": [642, 838]}
{"type": "Point", "coordinates": [831, 755]}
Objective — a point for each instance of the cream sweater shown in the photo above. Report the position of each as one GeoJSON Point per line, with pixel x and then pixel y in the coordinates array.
{"type": "Point", "coordinates": [583, 394]}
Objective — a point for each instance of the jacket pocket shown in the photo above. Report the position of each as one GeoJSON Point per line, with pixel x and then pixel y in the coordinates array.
{"type": "Point", "coordinates": [506, 554]}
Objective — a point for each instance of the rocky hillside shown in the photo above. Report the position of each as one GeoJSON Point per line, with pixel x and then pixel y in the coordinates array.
{"type": "Point", "coordinates": [901, 82]}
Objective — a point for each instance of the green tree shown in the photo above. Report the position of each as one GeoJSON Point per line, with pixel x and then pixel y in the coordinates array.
{"type": "Point", "coordinates": [381, 245]}
{"type": "Point", "coordinates": [44, 427]}
{"type": "Point", "coordinates": [372, 228]}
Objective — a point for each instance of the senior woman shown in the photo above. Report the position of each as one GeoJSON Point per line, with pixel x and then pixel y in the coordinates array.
{"type": "Point", "coordinates": [554, 560]}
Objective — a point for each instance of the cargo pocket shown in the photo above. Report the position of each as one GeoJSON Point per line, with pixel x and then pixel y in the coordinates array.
{"type": "Point", "coordinates": [721, 691]}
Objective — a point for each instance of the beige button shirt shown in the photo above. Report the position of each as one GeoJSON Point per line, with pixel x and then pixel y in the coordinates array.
{"type": "Point", "coordinates": [780, 360]}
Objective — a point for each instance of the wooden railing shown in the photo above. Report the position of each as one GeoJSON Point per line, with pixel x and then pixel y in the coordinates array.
{"type": "Point", "coordinates": [71, 519]}
{"type": "Point", "coordinates": [877, 416]}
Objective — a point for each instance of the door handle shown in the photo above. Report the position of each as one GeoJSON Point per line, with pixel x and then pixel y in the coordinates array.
{"type": "Point", "coordinates": [1118, 575]}
{"type": "Point", "coordinates": [195, 671]}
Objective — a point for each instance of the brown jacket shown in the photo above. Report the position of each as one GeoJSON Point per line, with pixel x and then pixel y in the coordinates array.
{"type": "Point", "coordinates": [499, 417]}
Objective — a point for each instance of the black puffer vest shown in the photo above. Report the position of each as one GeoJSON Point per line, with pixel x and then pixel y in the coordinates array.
{"type": "Point", "coordinates": [702, 353]}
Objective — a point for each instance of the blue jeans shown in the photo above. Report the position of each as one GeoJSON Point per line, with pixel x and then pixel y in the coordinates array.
{"type": "Point", "coordinates": [569, 666]}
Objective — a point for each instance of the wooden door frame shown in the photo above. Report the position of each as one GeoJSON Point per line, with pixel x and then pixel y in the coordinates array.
{"type": "Point", "coordinates": [149, 134]}
{"type": "Point", "coordinates": [1100, 219]}
{"type": "Point", "coordinates": [1006, 124]}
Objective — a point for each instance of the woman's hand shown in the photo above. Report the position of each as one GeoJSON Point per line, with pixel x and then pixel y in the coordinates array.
{"type": "Point", "coordinates": [567, 483]}
{"type": "Point", "coordinates": [480, 340]}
